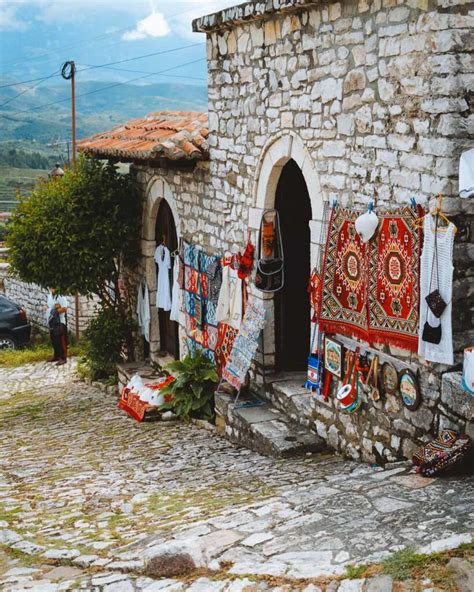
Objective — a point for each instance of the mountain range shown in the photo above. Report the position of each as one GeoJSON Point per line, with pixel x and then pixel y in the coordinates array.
{"type": "Point", "coordinates": [26, 124]}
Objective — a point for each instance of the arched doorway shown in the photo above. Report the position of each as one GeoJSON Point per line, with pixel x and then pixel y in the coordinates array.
{"type": "Point", "coordinates": [292, 307]}
{"type": "Point", "coordinates": [165, 233]}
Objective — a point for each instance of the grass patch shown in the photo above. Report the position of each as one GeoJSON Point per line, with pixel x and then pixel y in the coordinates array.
{"type": "Point", "coordinates": [407, 564]}
{"type": "Point", "coordinates": [37, 353]}
{"type": "Point", "coordinates": [402, 564]}
{"type": "Point", "coordinates": [354, 572]}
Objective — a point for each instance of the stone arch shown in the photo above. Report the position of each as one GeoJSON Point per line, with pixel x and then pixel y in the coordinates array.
{"type": "Point", "coordinates": [157, 190]}
{"type": "Point", "coordinates": [275, 154]}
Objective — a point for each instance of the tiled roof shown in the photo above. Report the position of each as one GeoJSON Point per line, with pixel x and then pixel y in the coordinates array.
{"type": "Point", "coordinates": [171, 135]}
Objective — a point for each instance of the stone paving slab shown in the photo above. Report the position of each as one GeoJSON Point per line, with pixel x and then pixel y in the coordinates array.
{"type": "Point", "coordinates": [82, 484]}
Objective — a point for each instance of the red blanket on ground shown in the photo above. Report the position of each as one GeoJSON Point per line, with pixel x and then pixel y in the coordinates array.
{"type": "Point", "coordinates": [131, 403]}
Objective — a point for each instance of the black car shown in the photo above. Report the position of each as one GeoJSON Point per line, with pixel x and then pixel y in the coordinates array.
{"type": "Point", "coordinates": [14, 327]}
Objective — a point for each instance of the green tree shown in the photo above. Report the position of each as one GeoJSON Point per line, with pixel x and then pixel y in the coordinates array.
{"type": "Point", "coordinates": [78, 233]}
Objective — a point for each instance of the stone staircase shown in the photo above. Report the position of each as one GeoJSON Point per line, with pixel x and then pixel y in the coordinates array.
{"type": "Point", "coordinates": [264, 428]}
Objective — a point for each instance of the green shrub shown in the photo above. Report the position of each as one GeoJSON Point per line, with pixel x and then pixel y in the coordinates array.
{"type": "Point", "coordinates": [104, 342]}
{"type": "Point", "coordinates": [192, 393]}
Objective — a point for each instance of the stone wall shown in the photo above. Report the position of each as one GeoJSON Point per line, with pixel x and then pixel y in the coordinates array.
{"type": "Point", "coordinates": [372, 101]}
{"type": "Point", "coordinates": [197, 217]}
{"type": "Point", "coordinates": [33, 299]}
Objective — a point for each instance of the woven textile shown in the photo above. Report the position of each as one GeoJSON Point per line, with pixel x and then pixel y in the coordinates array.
{"type": "Point", "coordinates": [441, 454]}
{"type": "Point", "coordinates": [225, 340]}
{"type": "Point", "coordinates": [370, 290]}
{"type": "Point", "coordinates": [200, 311]}
{"type": "Point", "coordinates": [245, 344]}
{"type": "Point", "coordinates": [343, 306]}
{"type": "Point", "coordinates": [394, 280]}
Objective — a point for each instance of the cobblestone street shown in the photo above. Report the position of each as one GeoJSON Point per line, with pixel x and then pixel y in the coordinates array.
{"type": "Point", "coordinates": [87, 495]}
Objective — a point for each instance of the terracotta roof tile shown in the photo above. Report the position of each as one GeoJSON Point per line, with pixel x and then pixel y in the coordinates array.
{"type": "Point", "coordinates": [172, 135]}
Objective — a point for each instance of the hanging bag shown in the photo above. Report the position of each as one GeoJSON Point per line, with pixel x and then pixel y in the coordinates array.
{"type": "Point", "coordinates": [434, 300]}
{"type": "Point", "coordinates": [270, 271]}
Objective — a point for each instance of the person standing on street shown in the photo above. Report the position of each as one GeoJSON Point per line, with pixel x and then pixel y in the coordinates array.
{"type": "Point", "coordinates": [57, 322]}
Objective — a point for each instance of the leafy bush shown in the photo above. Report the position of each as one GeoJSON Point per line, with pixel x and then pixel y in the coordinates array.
{"type": "Point", "coordinates": [2, 231]}
{"type": "Point", "coordinates": [104, 343]}
{"type": "Point", "coordinates": [192, 393]}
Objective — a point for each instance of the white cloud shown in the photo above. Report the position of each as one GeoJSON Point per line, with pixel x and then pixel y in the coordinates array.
{"type": "Point", "coordinates": [154, 25]}
{"type": "Point", "coordinates": [181, 23]}
{"type": "Point", "coordinates": [9, 20]}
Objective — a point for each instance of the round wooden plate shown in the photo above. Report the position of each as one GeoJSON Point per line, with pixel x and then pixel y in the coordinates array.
{"type": "Point", "coordinates": [409, 389]}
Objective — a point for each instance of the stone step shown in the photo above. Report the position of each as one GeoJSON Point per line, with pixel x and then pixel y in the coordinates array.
{"type": "Point", "coordinates": [288, 394]}
{"type": "Point", "coordinates": [264, 429]}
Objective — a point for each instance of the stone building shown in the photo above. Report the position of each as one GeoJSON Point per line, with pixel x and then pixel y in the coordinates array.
{"type": "Point", "coordinates": [351, 101]}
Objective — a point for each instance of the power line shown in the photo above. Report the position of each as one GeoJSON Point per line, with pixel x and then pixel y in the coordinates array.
{"type": "Point", "coordinates": [146, 72]}
{"type": "Point", "coordinates": [26, 90]}
{"type": "Point", "coordinates": [148, 75]}
{"type": "Point", "coordinates": [149, 55]}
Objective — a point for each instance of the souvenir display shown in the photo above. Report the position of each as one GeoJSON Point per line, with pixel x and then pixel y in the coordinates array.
{"type": "Point", "coordinates": [138, 397]}
{"type": "Point", "coordinates": [443, 453]}
{"type": "Point", "coordinates": [372, 380]}
{"type": "Point", "coordinates": [143, 310]}
{"type": "Point", "coordinates": [314, 291]}
{"type": "Point", "coordinates": [466, 173]}
{"type": "Point", "coordinates": [370, 290]}
{"type": "Point", "coordinates": [467, 379]}
{"type": "Point", "coordinates": [409, 389]}
{"type": "Point", "coordinates": [436, 287]}
{"type": "Point", "coordinates": [245, 344]}
{"type": "Point", "coordinates": [176, 291]}
{"type": "Point", "coordinates": [230, 303]}
{"type": "Point", "coordinates": [333, 357]}
{"type": "Point", "coordinates": [389, 378]}
{"type": "Point", "coordinates": [200, 311]}
{"type": "Point", "coordinates": [163, 290]}
{"type": "Point", "coordinates": [343, 307]}
{"type": "Point", "coordinates": [270, 266]}
{"type": "Point", "coordinates": [246, 261]}
{"type": "Point", "coordinates": [313, 379]}
{"type": "Point", "coordinates": [225, 340]}
{"type": "Point", "coordinates": [348, 395]}
{"type": "Point", "coordinates": [394, 280]}
{"type": "Point", "coordinates": [366, 225]}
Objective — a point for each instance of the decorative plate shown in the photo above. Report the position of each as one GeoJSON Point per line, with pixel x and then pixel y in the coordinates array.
{"type": "Point", "coordinates": [409, 389]}
{"type": "Point", "coordinates": [389, 378]}
{"type": "Point", "coordinates": [333, 357]}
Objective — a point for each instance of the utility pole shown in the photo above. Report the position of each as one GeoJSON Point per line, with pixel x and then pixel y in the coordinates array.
{"type": "Point", "coordinates": [68, 72]}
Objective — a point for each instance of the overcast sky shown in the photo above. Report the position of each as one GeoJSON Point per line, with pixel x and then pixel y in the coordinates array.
{"type": "Point", "coordinates": [36, 36]}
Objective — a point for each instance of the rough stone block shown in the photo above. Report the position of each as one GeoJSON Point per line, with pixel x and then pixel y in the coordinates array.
{"type": "Point", "coordinates": [456, 399]}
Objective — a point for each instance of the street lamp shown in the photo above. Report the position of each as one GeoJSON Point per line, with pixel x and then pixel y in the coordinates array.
{"type": "Point", "coordinates": [56, 172]}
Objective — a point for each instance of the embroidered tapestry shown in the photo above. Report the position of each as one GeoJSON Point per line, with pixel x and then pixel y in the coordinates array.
{"type": "Point", "coordinates": [371, 290]}
{"type": "Point", "coordinates": [343, 303]}
{"type": "Point", "coordinates": [245, 344]}
{"type": "Point", "coordinates": [201, 280]}
{"type": "Point", "coordinates": [225, 340]}
{"type": "Point", "coordinates": [394, 280]}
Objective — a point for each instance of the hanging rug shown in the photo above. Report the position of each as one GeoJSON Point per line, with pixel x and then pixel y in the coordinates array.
{"type": "Point", "coordinates": [371, 290]}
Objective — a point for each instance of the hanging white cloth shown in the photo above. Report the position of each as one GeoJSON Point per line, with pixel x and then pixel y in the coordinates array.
{"type": "Point", "coordinates": [176, 293]}
{"type": "Point", "coordinates": [466, 173]}
{"type": "Point", "coordinates": [163, 291]}
{"type": "Point", "coordinates": [443, 351]}
{"type": "Point", "coordinates": [143, 310]}
{"type": "Point", "coordinates": [229, 305]}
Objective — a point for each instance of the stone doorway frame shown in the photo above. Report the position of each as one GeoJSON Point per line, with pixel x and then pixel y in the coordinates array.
{"type": "Point", "coordinates": [157, 190]}
{"type": "Point", "coordinates": [275, 154]}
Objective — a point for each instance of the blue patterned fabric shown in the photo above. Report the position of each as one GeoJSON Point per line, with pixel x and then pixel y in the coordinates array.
{"type": "Point", "coordinates": [201, 322]}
